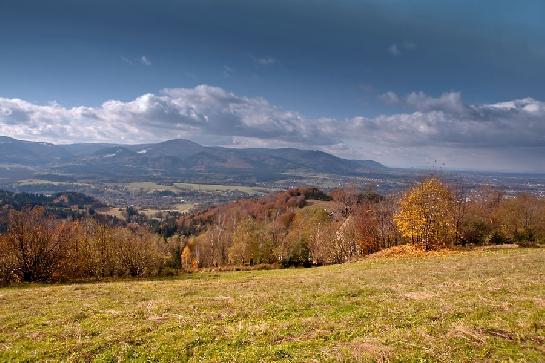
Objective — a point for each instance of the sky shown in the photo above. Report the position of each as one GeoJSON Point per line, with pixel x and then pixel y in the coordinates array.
{"type": "Point", "coordinates": [407, 83]}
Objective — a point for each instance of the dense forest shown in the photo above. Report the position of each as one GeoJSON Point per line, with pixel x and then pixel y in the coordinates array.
{"type": "Point", "coordinates": [297, 227]}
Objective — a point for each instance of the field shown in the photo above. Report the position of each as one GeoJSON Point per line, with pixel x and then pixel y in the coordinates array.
{"type": "Point", "coordinates": [37, 182]}
{"type": "Point", "coordinates": [480, 305]}
{"type": "Point", "coordinates": [177, 187]}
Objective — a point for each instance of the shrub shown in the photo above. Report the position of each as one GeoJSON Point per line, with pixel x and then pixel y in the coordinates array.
{"type": "Point", "coordinates": [37, 247]}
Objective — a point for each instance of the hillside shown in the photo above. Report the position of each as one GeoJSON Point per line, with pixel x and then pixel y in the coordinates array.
{"type": "Point", "coordinates": [175, 158]}
{"type": "Point", "coordinates": [472, 306]}
{"type": "Point", "coordinates": [19, 201]}
{"type": "Point", "coordinates": [59, 205]}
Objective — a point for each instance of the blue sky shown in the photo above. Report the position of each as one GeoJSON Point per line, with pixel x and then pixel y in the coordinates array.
{"type": "Point", "coordinates": [322, 60]}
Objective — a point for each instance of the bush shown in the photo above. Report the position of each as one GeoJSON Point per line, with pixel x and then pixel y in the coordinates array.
{"type": "Point", "coordinates": [8, 263]}
{"type": "Point", "coordinates": [37, 247]}
{"type": "Point", "coordinates": [528, 244]}
{"type": "Point", "coordinates": [497, 238]}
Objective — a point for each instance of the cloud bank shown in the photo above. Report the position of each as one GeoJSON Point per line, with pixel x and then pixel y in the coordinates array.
{"type": "Point", "coordinates": [214, 114]}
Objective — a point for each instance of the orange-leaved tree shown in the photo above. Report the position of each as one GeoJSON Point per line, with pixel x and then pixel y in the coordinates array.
{"type": "Point", "coordinates": [426, 214]}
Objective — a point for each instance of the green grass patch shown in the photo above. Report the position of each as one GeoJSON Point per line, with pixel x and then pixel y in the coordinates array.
{"type": "Point", "coordinates": [175, 187]}
{"type": "Point", "coordinates": [221, 188]}
{"type": "Point", "coordinates": [37, 182]}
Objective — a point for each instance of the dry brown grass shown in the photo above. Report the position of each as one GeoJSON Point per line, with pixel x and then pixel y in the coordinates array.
{"type": "Point", "coordinates": [481, 305]}
{"type": "Point", "coordinates": [410, 250]}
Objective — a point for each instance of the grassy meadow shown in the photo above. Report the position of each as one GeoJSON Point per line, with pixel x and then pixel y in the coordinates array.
{"type": "Point", "coordinates": [176, 187]}
{"type": "Point", "coordinates": [486, 305]}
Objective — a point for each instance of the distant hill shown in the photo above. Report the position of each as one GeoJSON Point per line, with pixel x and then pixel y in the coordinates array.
{"type": "Point", "coordinates": [14, 151]}
{"type": "Point", "coordinates": [61, 205]}
{"type": "Point", "coordinates": [19, 201]}
{"type": "Point", "coordinates": [175, 158]}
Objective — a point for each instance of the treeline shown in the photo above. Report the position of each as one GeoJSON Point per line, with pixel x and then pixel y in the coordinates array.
{"type": "Point", "coordinates": [491, 217]}
{"type": "Point", "coordinates": [304, 227]}
{"type": "Point", "coordinates": [19, 201]}
{"type": "Point", "coordinates": [39, 247]}
{"type": "Point", "coordinates": [298, 227]}
{"type": "Point", "coordinates": [66, 205]}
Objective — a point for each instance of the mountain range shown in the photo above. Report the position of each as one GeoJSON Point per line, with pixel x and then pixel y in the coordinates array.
{"type": "Point", "coordinates": [174, 159]}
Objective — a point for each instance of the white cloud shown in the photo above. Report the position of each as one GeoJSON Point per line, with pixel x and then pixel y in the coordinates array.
{"type": "Point", "coordinates": [215, 116]}
{"type": "Point", "coordinates": [179, 112]}
{"type": "Point", "coordinates": [394, 50]}
{"type": "Point", "coordinates": [398, 49]}
{"type": "Point", "coordinates": [145, 60]}
{"type": "Point", "coordinates": [445, 120]}
{"type": "Point", "coordinates": [127, 60]}
{"type": "Point", "coordinates": [390, 98]}
{"type": "Point", "coordinates": [448, 101]}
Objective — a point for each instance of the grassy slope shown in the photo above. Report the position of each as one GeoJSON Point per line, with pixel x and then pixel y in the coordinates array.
{"type": "Point", "coordinates": [486, 305]}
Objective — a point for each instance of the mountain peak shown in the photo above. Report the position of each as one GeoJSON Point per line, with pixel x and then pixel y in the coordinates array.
{"type": "Point", "coordinates": [178, 159]}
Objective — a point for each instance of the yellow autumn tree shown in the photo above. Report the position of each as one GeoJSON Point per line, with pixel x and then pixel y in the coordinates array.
{"type": "Point", "coordinates": [252, 244]}
{"type": "Point", "coordinates": [426, 214]}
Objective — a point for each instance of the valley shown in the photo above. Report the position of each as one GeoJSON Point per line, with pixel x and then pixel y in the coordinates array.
{"type": "Point", "coordinates": [180, 175]}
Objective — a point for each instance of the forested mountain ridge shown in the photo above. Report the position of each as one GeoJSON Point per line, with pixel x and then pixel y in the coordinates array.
{"type": "Point", "coordinates": [175, 158]}
{"type": "Point", "coordinates": [19, 201]}
{"type": "Point", "coordinates": [60, 205]}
